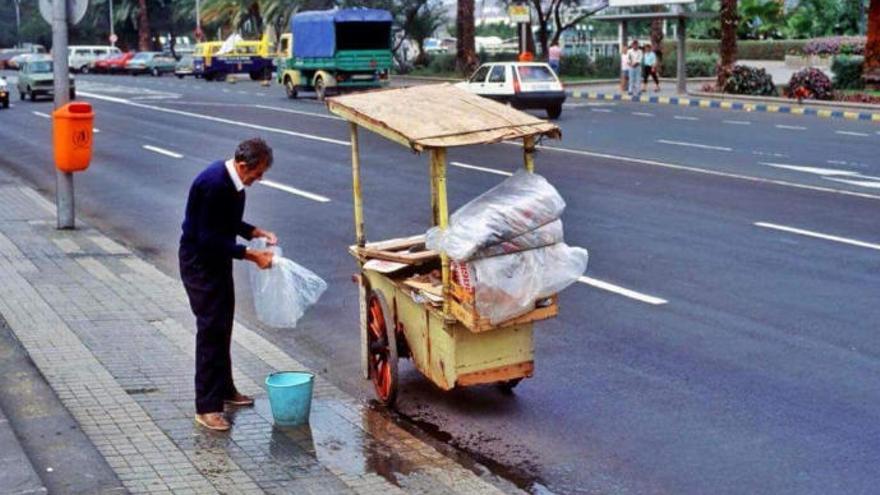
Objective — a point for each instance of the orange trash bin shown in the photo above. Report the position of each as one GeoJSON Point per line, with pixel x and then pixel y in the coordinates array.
{"type": "Point", "coordinates": [72, 127]}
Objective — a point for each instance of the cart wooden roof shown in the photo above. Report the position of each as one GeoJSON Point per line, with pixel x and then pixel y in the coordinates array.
{"type": "Point", "coordinates": [437, 116]}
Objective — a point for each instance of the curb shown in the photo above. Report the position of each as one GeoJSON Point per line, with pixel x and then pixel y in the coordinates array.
{"type": "Point", "coordinates": [729, 105]}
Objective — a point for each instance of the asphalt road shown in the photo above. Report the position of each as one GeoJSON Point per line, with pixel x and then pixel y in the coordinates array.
{"type": "Point", "coordinates": [724, 342]}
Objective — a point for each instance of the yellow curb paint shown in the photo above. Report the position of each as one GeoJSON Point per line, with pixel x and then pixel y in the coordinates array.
{"type": "Point", "coordinates": [683, 102]}
{"type": "Point", "coordinates": [851, 115]}
{"type": "Point", "coordinates": [705, 103]}
{"type": "Point", "coordinates": [875, 117]}
{"type": "Point", "coordinates": [576, 94]}
{"type": "Point", "coordinates": [664, 100]}
{"type": "Point", "coordinates": [726, 105]}
{"type": "Point", "coordinates": [773, 108]}
{"type": "Point", "coordinates": [797, 111]}
{"type": "Point", "coordinates": [825, 114]}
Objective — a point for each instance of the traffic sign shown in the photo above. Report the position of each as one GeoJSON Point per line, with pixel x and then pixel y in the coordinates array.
{"type": "Point", "coordinates": [519, 13]}
{"type": "Point", "coordinates": [76, 10]}
{"type": "Point", "coordinates": [113, 38]}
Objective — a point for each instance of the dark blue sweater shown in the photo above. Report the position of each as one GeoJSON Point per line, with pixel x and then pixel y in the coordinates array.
{"type": "Point", "coordinates": [213, 218]}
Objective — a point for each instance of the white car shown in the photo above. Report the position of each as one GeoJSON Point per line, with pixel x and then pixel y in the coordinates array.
{"type": "Point", "coordinates": [81, 57]}
{"type": "Point", "coordinates": [524, 85]}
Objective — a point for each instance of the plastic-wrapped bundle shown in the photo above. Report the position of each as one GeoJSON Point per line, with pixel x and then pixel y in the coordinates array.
{"type": "Point", "coordinates": [284, 291]}
{"type": "Point", "coordinates": [508, 286]}
{"type": "Point", "coordinates": [518, 205]}
{"type": "Point", "coordinates": [543, 236]}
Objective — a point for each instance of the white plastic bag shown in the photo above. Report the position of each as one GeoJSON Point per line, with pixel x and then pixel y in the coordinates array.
{"type": "Point", "coordinates": [508, 286]}
{"type": "Point", "coordinates": [283, 292]}
{"type": "Point", "coordinates": [520, 204]}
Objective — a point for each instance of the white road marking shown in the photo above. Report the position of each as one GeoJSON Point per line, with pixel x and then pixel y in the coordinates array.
{"type": "Point", "coordinates": [870, 184]}
{"type": "Point", "coordinates": [791, 127]}
{"type": "Point", "coordinates": [41, 114]}
{"type": "Point", "coordinates": [481, 169]}
{"type": "Point", "coordinates": [293, 190]}
{"type": "Point", "coordinates": [96, 130]}
{"type": "Point", "coordinates": [736, 122]}
{"type": "Point", "coordinates": [600, 284]}
{"type": "Point", "coordinates": [810, 170]}
{"type": "Point", "coordinates": [600, 110]}
{"type": "Point", "coordinates": [818, 235]}
{"type": "Point", "coordinates": [851, 133]}
{"type": "Point", "coordinates": [162, 151]}
{"type": "Point", "coordinates": [643, 114]}
{"type": "Point", "coordinates": [684, 117]}
{"type": "Point", "coordinates": [836, 162]}
{"type": "Point", "coordinates": [716, 173]}
{"type": "Point", "coordinates": [216, 119]}
{"type": "Point", "coordinates": [299, 112]}
{"type": "Point", "coordinates": [694, 145]}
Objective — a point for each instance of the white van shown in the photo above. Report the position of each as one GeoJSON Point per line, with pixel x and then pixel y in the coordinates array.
{"type": "Point", "coordinates": [80, 57]}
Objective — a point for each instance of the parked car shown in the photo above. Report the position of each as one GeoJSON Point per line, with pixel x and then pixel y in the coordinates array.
{"type": "Point", "coordinates": [36, 79]}
{"type": "Point", "coordinates": [8, 53]}
{"type": "Point", "coordinates": [80, 57]}
{"type": "Point", "coordinates": [113, 64]}
{"type": "Point", "coordinates": [524, 85]}
{"type": "Point", "coordinates": [154, 63]}
{"type": "Point", "coordinates": [184, 67]}
{"type": "Point", "coordinates": [4, 92]}
{"type": "Point", "coordinates": [16, 61]}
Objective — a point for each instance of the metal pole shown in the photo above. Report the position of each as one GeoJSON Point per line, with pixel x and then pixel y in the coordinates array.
{"type": "Point", "coordinates": [680, 54]}
{"type": "Point", "coordinates": [63, 180]}
{"type": "Point", "coordinates": [17, 4]}
{"type": "Point", "coordinates": [198, 19]}
{"type": "Point", "coordinates": [112, 32]}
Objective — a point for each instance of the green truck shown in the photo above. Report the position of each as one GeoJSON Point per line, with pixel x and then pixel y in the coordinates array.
{"type": "Point", "coordinates": [335, 50]}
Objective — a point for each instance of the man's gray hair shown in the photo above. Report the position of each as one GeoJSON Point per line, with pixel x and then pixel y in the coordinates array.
{"type": "Point", "coordinates": [254, 152]}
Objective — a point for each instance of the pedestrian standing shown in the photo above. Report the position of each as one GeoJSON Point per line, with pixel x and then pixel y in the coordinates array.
{"type": "Point", "coordinates": [214, 212]}
{"type": "Point", "coordinates": [650, 67]}
{"type": "Point", "coordinates": [554, 57]}
{"type": "Point", "coordinates": [634, 62]}
{"type": "Point", "coordinates": [624, 69]}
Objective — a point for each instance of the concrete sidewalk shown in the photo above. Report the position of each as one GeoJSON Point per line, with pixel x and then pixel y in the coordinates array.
{"type": "Point", "coordinates": [17, 475]}
{"type": "Point", "coordinates": [113, 337]}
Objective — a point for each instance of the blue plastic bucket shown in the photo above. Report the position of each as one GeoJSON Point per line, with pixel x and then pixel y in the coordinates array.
{"type": "Point", "coordinates": [290, 396]}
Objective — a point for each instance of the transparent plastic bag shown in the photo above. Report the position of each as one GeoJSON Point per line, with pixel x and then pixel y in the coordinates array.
{"type": "Point", "coordinates": [283, 292]}
{"type": "Point", "coordinates": [544, 235]}
{"type": "Point", "coordinates": [508, 286]}
{"type": "Point", "coordinates": [522, 203]}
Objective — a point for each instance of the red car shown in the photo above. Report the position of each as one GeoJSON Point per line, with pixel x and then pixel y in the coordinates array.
{"type": "Point", "coordinates": [113, 64]}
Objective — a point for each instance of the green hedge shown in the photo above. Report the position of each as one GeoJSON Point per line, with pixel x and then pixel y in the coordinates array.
{"type": "Point", "coordinates": [848, 72]}
{"type": "Point", "coordinates": [696, 65]}
{"type": "Point", "coordinates": [745, 49]}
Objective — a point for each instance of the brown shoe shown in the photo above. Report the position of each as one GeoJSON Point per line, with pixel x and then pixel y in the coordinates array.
{"type": "Point", "coordinates": [240, 399]}
{"type": "Point", "coordinates": [213, 421]}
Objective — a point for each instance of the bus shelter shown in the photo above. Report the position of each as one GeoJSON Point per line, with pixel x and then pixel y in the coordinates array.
{"type": "Point", "coordinates": [681, 18]}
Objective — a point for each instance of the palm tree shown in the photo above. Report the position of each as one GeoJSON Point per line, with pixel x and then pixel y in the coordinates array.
{"type": "Point", "coordinates": [466, 52]}
{"type": "Point", "coordinates": [729, 23]}
{"type": "Point", "coordinates": [872, 47]}
{"type": "Point", "coordinates": [233, 15]}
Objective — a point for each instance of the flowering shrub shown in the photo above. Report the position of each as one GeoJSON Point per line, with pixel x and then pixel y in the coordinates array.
{"type": "Point", "coordinates": [810, 84]}
{"type": "Point", "coordinates": [746, 80]}
{"type": "Point", "coordinates": [835, 45]}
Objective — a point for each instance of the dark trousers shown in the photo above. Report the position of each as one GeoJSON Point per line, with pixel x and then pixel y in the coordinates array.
{"type": "Point", "coordinates": [652, 72]}
{"type": "Point", "coordinates": [211, 295]}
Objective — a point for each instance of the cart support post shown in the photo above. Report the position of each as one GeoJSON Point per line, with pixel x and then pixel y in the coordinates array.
{"type": "Point", "coordinates": [356, 189]}
{"type": "Point", "coordinates": [529, 153]}
{"type": "Point", "coordinates": [435, 206]}
{"type": "Point", "coordinates": [438, 174]}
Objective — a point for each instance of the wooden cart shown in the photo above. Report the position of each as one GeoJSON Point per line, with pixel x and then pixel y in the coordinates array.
{"type": "Point", "coordinates": [405, 312]}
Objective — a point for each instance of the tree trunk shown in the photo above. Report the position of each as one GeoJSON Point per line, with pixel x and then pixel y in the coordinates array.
{"type": "Point", "coordinates": [729, 21]}
{"type": "Point", "coordinates": [657, 36]}
{"type": "Point", "coordinates": [466, 53]}
{"type": "Point", "coordinates": [144, 37]}
{"type": "Point", "coordinates": [872, 47]}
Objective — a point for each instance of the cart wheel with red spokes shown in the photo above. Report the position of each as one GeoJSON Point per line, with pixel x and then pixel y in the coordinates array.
{"type": "Point", "coordinates": [382, 349]}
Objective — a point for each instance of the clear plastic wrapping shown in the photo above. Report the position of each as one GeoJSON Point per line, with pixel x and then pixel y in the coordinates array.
{"type": "Point", "coordinates": [520, 204]}
{"type": "Point", "coordinates": [283, 292]}
{"type": "Point", "coordinates": [543, 236]}
{"type": "Point", "coordinates": [508, 286]}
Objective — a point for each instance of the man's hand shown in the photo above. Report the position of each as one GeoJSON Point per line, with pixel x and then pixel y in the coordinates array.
{"type": "Point", "coordinates": [261, 257]}
{"type": "Point", "coordinates": [270, 237]}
